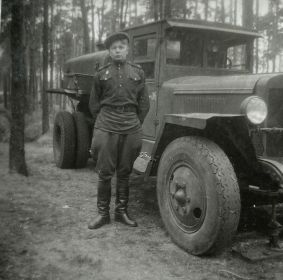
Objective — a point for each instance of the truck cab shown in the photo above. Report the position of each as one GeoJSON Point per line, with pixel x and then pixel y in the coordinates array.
{"type": "Point", "coordinates": [212, 137]}
{"type": "Point", "coordinates": [171, 50]}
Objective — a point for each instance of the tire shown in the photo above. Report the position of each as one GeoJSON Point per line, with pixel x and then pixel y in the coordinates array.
{"type": "Point", "coordinates": [82, 140]}
{"type": "Point", "coordinates": [198, 195]}
{"type": "Point", "coordinates": [64, 140]}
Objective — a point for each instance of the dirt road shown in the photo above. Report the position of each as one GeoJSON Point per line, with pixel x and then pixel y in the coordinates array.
{"type": "Point", "coordinates": [44, 235]}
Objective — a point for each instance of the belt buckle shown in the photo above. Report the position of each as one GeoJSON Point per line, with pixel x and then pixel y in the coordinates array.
{"type": "Point", "coordinates": [120, 108]}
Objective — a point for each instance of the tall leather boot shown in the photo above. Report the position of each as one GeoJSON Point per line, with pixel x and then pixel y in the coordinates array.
{"type": "Point", "coordinates": [103, 201]}
{"type": "Point", "coordinates": [122, 198]}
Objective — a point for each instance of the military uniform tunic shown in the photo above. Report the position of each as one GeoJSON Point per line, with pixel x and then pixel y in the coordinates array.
{"type": "Point", "coordinates": [119, 101]}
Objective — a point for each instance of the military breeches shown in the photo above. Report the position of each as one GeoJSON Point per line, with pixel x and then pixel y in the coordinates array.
{"type": "Point", "coordinates": [116, 152]}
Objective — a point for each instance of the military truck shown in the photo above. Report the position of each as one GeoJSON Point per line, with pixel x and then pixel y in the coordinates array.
{"type": "Point", "coordinates": [213, 136]}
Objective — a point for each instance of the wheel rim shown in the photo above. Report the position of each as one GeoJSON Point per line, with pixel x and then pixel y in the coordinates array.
{"type": "Point", "coordinates": [187, 197]}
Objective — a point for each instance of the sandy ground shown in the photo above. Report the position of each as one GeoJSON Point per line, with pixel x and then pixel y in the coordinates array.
{"type": "Point", "coordinates": [44, 235]}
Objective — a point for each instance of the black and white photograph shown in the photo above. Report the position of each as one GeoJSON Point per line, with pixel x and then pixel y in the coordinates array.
{"type": "Point", "coordinates": [141, 139]}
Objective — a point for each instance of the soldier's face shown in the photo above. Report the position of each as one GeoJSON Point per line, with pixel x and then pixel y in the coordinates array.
{"type": "Point", "coordinates": [119, 50]}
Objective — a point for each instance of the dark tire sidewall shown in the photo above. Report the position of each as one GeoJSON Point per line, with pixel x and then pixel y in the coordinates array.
{"type": "Point", "coordinates": [82, 140]}
{"type": "Point", "coordinates": [64, 140]}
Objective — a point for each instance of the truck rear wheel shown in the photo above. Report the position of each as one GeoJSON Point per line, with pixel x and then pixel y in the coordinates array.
{"type": "Point", "coordinates": [198, 195]}
{"type": "Point", "coordinates": [64, 140]}
{"type": "Point", "coordinates": [82, 140]}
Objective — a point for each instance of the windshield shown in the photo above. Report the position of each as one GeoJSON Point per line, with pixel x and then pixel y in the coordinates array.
{"type": "Point", "coordinates": [184, 47]}
{"type": "Point", "coordinates": [199, 49]}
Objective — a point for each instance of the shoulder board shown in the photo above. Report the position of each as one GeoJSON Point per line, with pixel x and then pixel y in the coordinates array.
{"type": "Point", "coordinates": [134, 65]}
{"type": "Point", "coordinates": [103, 67]}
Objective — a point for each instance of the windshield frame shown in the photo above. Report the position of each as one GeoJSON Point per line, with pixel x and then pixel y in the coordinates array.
{"type": "Point", "coordinates": [230, 39]}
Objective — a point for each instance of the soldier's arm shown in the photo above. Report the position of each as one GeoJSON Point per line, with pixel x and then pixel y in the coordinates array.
{"type": "Point", "coordinates": [143, 99]}
{"type": "Point", "coordinates": [94, 99]}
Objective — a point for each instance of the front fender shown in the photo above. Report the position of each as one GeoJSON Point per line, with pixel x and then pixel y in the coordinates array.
{"type": "Point", "coordinates": [229, 131]}
{"type": "Point", "coordinates": [195, 120]}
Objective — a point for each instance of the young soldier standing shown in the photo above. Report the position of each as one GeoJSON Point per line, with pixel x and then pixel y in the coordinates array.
{"type": "Point", "coordinates": [119, 103]}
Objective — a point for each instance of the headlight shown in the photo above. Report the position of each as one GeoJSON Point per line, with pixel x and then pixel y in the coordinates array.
{"type": "Point", "coordinates": [255, 109]}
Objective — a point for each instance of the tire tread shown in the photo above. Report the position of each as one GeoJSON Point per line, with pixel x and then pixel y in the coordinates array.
{"type": "Point", "coordinates": [226, 187]}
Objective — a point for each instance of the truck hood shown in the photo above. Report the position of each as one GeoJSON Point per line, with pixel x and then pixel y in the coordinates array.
{"type": "Point", "coordinates": [242, 84]}
{"type": "Point", "coordinates": [86, 64]}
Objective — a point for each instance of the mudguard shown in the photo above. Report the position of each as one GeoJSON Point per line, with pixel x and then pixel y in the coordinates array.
{"type": "Point", "coordinates": [195, 120]}
{"type": "Point", "coordinates": [234, 127]}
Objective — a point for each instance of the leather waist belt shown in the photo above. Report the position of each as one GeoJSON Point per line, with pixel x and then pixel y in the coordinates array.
{"type": "Point", "coordinates": [126, 108]}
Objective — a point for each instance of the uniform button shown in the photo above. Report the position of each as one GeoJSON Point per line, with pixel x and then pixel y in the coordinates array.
{"type": "Point", "coordinates": [120, 85]}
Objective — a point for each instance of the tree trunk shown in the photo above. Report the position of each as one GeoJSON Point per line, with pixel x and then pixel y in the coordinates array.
{"type": "Point", "coordinates": [223, 11]}
{"type": "Point", "coordinates": [102, 17]}
{"type": "Point", "coordinates": [167, 8]}
{"type": "Point", "coordinates": [196, 8]}
{"type": "Point", "coordinates": [113, 18]}
{"type": "Point", "coordinates": [231, 11]}
{"type": "Point", "coordinates": [235, 11]}
{"type": "Point", "coordinates": [216, 10]}
{"type": "Point", "coordinates": [32, 77]}
{"type": "Point", "coordinates": [126, 12]}
{"type": "Point", "coordinates": [17, 146]}
{"type": "Point", "coordinates": [27, 43]}
{"type": "Point", "coordinates": [275, 7]}
{"type": "Point", "coordinates": [32, 53]}
{"type": "Point", "coordinates": [85, 27]}
{"type": "Point", "coordinates": [0, 12]}
{"type": "Point", "coordinates": [256, 48]}
{"type": "Point", "coordinates": [247, 13]}
{"type": "Point", "coordinates": [44, 98]}
{"type": "Point", "coordinates": [155, 9]}
{"type": "Point", "coordinates": [5, 89]}
{"type": "Point", "coordinates": [136, 8]}
{"type": "Point", "coordinates": [51, 61]}
{"type": "Point", "coordinates": [121, 12]}
{"type": "Point", "coordinates": [92, 27]}
{"type": "Point", "coordinates": [248, 23]}
{"type": "Point", "coordinates": [205, 9]}
{"type": "Point", "coordinates": [161, 9]}
{"type": "Point", "coordinates": [51, 52]}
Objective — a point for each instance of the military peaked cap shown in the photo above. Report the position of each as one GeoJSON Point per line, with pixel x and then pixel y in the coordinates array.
{"type": "Point", "coordinates": [115, 37]}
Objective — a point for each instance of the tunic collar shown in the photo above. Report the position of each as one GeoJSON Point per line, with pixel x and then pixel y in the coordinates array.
{"type": "Point", "coordinates": [118, 64]}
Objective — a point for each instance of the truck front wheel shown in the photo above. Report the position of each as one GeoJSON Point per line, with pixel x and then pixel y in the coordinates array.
{"type": "Point", "coordinates": [198, 195]}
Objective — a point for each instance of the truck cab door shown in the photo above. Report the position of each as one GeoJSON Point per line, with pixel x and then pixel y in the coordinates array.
{"type": "Point", "coordinates": [145, 54]}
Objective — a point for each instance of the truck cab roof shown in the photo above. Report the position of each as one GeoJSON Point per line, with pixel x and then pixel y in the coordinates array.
{"type": "Point", "coordinates": [179, 47]}
{"type": "Point", "coordinates": [201, 25]}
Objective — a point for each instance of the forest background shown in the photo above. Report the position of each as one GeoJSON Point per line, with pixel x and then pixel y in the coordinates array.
{"type": "Point", "coordinates": [38, 36]}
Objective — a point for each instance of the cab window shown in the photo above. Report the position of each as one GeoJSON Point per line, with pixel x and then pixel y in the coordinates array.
{"type": "Point", "coordinates": [215, 54]}
{"type": "Point", "coordinates": [237, 57]}
{"type": "Point", "coordinates": [184, 47]}
{"type": "Point", "coordinates": [225, 53]}
{"type": "Point", "coordinates": [144, 54]}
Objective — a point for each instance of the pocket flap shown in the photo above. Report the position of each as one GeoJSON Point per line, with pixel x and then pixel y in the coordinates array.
{"type": "Point", "coordinates": [105, 76]}
{"type": "Point", "coordinates": [134, 76]}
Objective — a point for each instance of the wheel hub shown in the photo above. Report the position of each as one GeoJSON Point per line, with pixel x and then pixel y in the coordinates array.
{"type": "Point", "coordinates": [187, 198]}
{"type": "Point", "coordinates": [180, 197]}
